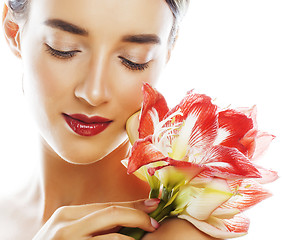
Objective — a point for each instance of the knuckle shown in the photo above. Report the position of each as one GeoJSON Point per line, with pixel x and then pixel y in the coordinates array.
{"type": "Point", "coordinates": [114, 210]}
{"type": "Point", "coordinates": [62, 212]}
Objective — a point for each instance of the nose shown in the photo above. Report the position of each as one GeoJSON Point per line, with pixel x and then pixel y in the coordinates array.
{"type": "Point", "coordinates": [93, 89]}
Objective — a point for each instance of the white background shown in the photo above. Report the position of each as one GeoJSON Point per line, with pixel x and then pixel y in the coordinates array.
{"type": "Point", "coordinates": [228, 49]}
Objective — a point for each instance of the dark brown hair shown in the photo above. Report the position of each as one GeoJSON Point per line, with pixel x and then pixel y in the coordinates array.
{"type": "Point", "coordinates": [18, 7]}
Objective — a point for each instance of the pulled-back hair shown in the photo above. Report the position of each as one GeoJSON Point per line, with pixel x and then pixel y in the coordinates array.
{"type": "Point", "coordinates": [178, 9]}
{"type": "Point", "coordinates": [19, 7]}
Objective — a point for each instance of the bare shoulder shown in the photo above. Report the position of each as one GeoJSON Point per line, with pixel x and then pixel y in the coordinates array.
{"type": "Point", "coordinates": [175, 228]}
{"type": "Point", "coordinates": [16, 219]}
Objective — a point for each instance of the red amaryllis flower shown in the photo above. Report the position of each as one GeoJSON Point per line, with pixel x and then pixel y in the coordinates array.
{"type": "Point", "coordinates": [202, 159]}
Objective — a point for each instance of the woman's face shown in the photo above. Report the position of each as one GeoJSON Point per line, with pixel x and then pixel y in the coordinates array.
{"type": "Point", "coordinates": [87, 59]}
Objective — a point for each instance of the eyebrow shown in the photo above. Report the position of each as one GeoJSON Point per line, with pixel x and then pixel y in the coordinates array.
{"type": "Point", "coordinates": [142, 39]}
{"type": "Point", "coordinates": [71, 28]}
{"type": "Point", "coordinates": [66, 26]}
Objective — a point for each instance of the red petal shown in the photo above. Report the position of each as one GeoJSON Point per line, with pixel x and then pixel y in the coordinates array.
{"type": "Point", "coordinates": [152, 99]}
{"type": "Point", "coordinates": [237, 125]}
{"type": "Point", "coordinates": [250, 113]}
{"type": "Point", "coordinates": [229, 163]}
{"type": "Point", "coordinates": [249, 193]}
{"type": "Point", "coordinates": [262, 142]}
{"type": "Point", "coordinates": [235, 184]}
{"type": "Point", "coordinates": [238, 223]}
{"type": "Point", "coordinates": [249, 143]}
{"type": "Point", "coordinates": [200, 107]}
{"type": "Point", "coordinates": [267, 176]}
{"type": "Point", "coordinates": [143, 153]}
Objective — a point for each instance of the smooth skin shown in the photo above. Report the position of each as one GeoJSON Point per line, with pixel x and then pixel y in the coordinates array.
{"type": "Point", "coordinates": [89, 57]}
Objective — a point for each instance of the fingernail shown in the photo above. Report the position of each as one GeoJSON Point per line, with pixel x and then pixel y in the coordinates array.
{"type": "Point", "coordinates": [152, 202]}
{"type": "Point", "coordinates": [154, 223]}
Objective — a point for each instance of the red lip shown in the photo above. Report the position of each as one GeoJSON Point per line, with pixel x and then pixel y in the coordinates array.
{"type": "Point", "coordinates": [86, 126]}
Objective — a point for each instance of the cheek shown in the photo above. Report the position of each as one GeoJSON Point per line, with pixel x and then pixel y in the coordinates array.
{"type": "Point", "coordinates": [48, 79]}
{"type": "Point", "coordinates": [128, 87]}
{"type": "Point", "coordinates": [129, 95]}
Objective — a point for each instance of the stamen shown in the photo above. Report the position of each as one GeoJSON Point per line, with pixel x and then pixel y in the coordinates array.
{"type": "Point", "coordinates": [163, 135]}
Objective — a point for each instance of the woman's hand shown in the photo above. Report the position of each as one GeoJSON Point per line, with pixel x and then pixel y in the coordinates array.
{"type": "Point", "coordinates": [98, 221]}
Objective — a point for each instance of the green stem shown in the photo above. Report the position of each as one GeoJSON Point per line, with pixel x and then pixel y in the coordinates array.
{"type": "Point", "coordinates": [154, 193]}
{"type": "Point", "coordinates": [135, 233]}
{"type": "Point", "coordinates": [165, 194]}
{"type": "Point", "coordinates": [164, 213]}
{"type": "Point", "coordinates": [160, 207]}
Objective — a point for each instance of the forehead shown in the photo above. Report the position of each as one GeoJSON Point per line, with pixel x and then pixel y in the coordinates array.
{"type": "Point", "coordinates": [109, 17]}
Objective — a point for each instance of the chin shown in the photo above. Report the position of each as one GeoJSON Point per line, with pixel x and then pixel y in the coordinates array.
{"type": "Point", "coordinates": [82, 159]}
{"type": "Point", "coordinates": [85, 154]}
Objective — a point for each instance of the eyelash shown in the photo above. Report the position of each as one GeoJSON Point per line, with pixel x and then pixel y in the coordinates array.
{"type": "Point", "coordinates": [61, 54]}
{"type": "Point", "coordinates": [134, 66]}
{"type": "Point", "coordinates": [69, 54]}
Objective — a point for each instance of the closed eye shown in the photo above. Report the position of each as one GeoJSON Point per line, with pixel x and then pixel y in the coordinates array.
{"type": "Point", "coordinates": [133, 65]}
{"type": "Point", "coordinates": [61, 54]}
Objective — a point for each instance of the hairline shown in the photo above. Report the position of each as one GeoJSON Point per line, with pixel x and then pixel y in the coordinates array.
{"type": "Point", "coordinates": [23, 17]}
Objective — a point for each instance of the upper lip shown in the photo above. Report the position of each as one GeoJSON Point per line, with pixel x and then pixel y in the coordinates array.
{"type": "Point", "coordinates": [86, 119]}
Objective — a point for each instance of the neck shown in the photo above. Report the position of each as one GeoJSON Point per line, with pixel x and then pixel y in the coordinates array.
{"type": "Point", "coordinates": [106, 180]}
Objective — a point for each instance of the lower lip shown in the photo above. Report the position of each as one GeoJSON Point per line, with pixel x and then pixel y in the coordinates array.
{"type": "Point", "coordinates": [86, 129]}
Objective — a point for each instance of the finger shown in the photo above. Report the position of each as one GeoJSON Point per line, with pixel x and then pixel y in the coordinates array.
{"type": "Point", "coordinates": [80, 211]}
{"type": "Point", "coordinates": [114, 216]}
{"type": "Point", "coordinates": [115, 236]}
{"type": "Point", "coordinates": [146, 205]}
